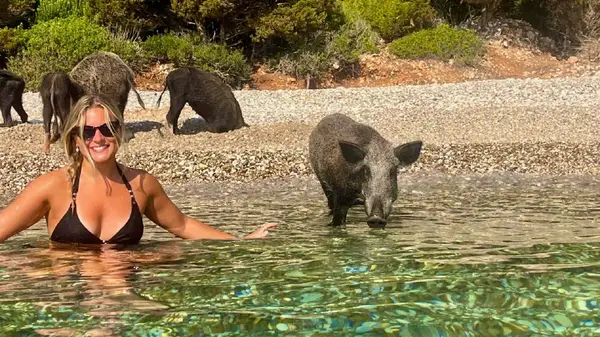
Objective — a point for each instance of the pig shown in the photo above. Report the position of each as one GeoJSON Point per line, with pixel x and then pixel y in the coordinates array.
{"type": "Point", "coordinates": [208, 96]}
{"type": "Point", "coordinates": [11, 96]}
{"type": "Point", "coordinates": [58, 93]}
{"type": "Point", "coordinates": [105, 73]}
{"type": "Point", "coordinates": [355, 165]}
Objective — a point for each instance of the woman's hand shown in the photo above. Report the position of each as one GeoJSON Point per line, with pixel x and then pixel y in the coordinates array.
{"type": "Point", "coordinates": [261, 232]}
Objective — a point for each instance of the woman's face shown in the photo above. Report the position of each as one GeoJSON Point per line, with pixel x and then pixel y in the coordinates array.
{"type": "Point", "coordinates": [97, 139]}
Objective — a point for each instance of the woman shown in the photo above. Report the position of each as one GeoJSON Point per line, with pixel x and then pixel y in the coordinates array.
{"type": "Point", "coordinates": [96, 200]}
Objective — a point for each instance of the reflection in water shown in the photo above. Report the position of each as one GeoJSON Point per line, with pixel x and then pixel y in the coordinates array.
{"type": "Point", "coordinates": [470, 255]}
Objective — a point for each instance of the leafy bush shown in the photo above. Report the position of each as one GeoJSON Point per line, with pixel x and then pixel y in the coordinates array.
{"type": "Point", "coordinates": [453, 12]}
{"type": "Point", "coordinates": [59, 44]}
{"type": "Point", "coordinates": [231, 65]}
{"type": "Point", "coordinates": [189, 50]}
{"type": "Point", "coordinates": [11, 41]}
{"type": "Point", "coordinates": [51, 9]}
{"type": "Point", "coordinates": [131, 52]}
{"type": "Point", "coordinates": [391, 18]}
{"type": "Point", "coordinates": [137, 14]}
{"type": "Point", "coordinates": [56, 45]}
{"type": "Point", "coordinates": [442, 42]}
{"type": "Point", "coordinates": [335, 51]}
{"type": "Point", "coordinates": [170, 47]}
{"type": "Point", "coordinates": [346, 45]}
{"type": "Point", "coordinates": [296, 21]}
{"type": "Point", "coordinates": [302, 63]}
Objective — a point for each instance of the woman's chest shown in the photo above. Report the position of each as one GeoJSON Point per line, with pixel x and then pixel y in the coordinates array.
{"type": "Point", "coordinates": [99, 206]}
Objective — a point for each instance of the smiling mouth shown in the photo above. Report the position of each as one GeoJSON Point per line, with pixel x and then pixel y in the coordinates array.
{"type": "Point", "coordinates": [99, 148]}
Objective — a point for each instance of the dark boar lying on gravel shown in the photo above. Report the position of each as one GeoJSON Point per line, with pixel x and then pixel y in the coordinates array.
{"type": "Point", "coordinates": [105, 73]}
{"type": "Point", "coordinates": [356, 165]}
{"type": "Point", "coordinates": [59, 93]}
{"type": "Point", "coordinates": [208, 96]}
{"type": "Point", "coordinates": [11, 96]}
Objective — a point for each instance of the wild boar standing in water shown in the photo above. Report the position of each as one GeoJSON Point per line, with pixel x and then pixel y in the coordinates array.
{"type": "Point", "coordinates": [11, 96]}
{"type": "Point", "coordinates": [357, 166]}
{"type": "Point", "coordinates": [59, 93]}
{"type": "Point", "coordinates": [105, 73]}
{"type": "Point", "coordinates": [209, 97]}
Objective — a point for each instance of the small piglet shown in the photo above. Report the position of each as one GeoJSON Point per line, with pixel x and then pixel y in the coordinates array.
{"type": "Point", "coordinates": [357, 166]}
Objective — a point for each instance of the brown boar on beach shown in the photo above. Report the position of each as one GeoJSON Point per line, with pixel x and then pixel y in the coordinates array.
{"type": "Point", "coordinates": [11, 96]}
{"type": "Point", "coordinates": [59, 93]}
{"type": "Point", "coordinates": [357, 166]}
{"type": "Point", "coordinates": [105, 73]}
{"type": "Point", "coordinates": [207, 94]}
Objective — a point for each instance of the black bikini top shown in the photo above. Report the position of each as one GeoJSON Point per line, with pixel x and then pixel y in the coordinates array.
{"type": "Point", "coordinates": [70, 229]}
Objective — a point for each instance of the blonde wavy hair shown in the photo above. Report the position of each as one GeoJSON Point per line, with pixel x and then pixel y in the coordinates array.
{"type": "Point", "coordinates": [74, 127]}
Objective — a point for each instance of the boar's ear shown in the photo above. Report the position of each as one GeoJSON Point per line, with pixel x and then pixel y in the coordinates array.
{"type": "Point", "coordinates": [408, 153]}
{"type": "Point", "coordinates": [351, 152]}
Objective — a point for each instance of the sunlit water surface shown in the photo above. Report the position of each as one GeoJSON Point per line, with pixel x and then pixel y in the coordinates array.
{"type": "Point", "coordinates": [491, 255]}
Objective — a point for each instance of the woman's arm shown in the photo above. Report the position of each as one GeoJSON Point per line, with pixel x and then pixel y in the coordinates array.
{"type": "Point", "coordinates": [28, 207]}
{"type": "Point", "coordinates": [162, 211]}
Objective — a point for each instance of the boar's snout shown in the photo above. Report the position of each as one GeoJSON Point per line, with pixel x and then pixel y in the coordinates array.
{"type": "Point", "coordinates": [376, 222]}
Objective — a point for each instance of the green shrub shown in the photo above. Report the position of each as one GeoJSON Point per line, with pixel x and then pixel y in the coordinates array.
{"type": "Point", "coordinates": [231, 65]}
{"type": "Point", "coordinates": [169, 47]}
{"type": "Point", "coordinates": [352, 40]}
{"type": "Point", "coordinates": [58, 44]}
{"type": "Point", "coordinates": [189, 50]}
{"type": "Point", "coordinates": [303, 64]}
{"type": "Point", "coordinates": [335, 52]}
{"type": "Point", "coordinates": [442, 42]}
{"type": "Point", "coordinates": [11, 41]}
{"type": "Point", "coordinates": [51, 9]}
{"type": "Point", "coordinates": [297, 20]}
{"type": "Point", "coordinates": [391, 18]}
{"type": "Point", "coordinates": [137, 14]}
{"type": "Point", "coordinates": [131, 52]}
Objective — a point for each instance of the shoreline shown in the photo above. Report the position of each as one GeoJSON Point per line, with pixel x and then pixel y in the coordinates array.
{"type": "Point", "coordinates": [193, 167]}
{"type": "Point", "coordinates": [530, 126]}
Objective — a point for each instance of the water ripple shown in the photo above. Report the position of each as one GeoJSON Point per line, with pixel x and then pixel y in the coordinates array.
{"type": "Point", "coordinates": [490, 255]}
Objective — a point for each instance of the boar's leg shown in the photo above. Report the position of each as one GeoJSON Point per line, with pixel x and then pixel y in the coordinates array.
{"type": "Point", "coordinates": [177, 104]}
{"type": "Point", "coordinates": [328, 194]}
{"type": "Point", "coordinates": [122, 104]}
{"type": "Point", "coordinates": [5, 107]}
{"type": "Point", "coordinates": [340, 210]}
{"type": "Point", "coordinates": [17, 103]}
{"type": "Point", "coordinates": [47, 117]}
{"type": "Point", "coordinates": [55, 131]}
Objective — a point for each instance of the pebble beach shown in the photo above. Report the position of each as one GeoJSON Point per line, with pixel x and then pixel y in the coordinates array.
{"type": "Point", "coordinates": [538, 126]}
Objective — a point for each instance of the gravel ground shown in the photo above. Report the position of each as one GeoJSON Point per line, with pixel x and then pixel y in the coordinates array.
{"type": "Point", "coordinates": [547, 126]}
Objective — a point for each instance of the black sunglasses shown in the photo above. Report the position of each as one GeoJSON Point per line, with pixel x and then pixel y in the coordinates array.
{"type": "Point", "coordinates": [90, 131]}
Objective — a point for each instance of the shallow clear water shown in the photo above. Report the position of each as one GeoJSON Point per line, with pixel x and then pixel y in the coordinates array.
{"type": "Point", "coordinates": [489, 255]}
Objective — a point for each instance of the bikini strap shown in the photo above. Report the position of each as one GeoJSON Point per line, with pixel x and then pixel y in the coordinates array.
{"type": "Point", "coordinates": [76, 182]}
{"type": "Point", "coordinates": [75, 189]}
{"type": "Point", "coordinates": [126, 183]}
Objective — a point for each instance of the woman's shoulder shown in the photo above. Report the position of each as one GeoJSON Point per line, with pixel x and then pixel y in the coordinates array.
{"type": "Point", "coordinates": [60, 174]}
{"type": "Point", "coordinates": [51, 180]}
{"type": "Point", "coordinates": [139, 176]}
